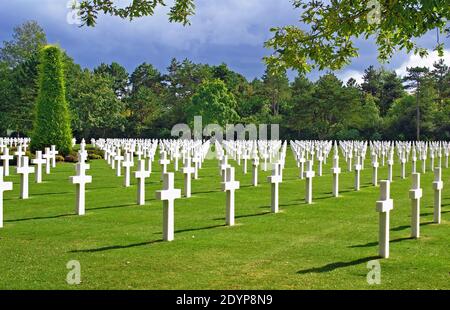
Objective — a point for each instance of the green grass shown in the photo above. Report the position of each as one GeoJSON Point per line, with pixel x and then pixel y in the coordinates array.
{"type": "Point", "coordinates": [325, 245]}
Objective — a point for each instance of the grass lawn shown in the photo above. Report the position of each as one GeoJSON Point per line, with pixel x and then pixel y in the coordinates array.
{"type": "Point", "coordinates": [119, 245]}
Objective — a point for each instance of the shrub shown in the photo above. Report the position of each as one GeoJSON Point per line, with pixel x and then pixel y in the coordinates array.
{"type": "Point", "coordinates": [52, 123]}
{"type": "Point", "coordinates": [59, 158]}
{"type": "Point", "coordinates": [72, 157]}
{"type": "Point", "coordinates": [94, 156]}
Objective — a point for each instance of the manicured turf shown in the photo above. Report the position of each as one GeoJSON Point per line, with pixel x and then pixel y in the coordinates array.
{"type": "Point", "coordinates": [119, 245]}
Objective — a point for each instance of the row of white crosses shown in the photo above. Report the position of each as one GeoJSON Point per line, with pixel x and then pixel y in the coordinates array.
{"type": "Point", "coordinates": [23, 167]}
{"type": "Point", "coordinates": [385, 204]}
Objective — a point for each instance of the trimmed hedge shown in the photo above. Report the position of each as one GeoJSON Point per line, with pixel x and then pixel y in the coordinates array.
{"type": "Point", "coordinates": [52, 124]}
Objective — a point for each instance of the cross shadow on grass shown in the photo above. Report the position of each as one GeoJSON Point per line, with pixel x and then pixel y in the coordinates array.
{"type": "Point", "coordinates": [47, 194]}
{"type": "Point", "coordinates": [207, 192]}
{"type": "Point", "coordinates": [39, 218]}
{"type": "Point", "coordinates": [116, 247]}
{"type": "Point", "coordinates": [245, 215]}
{"type": "Point", "coordinates": [193, 229]}
{"type": "Point", "coordinates": [403, 227]}
{"type": "Point", "coordinates": [113, 207]}
{"type": "Point", "coordinates": [337, 265]}
{"type": "Point", "coordinates": [375, 243]}
{"type": "Point", "coordinates": [431, 213]}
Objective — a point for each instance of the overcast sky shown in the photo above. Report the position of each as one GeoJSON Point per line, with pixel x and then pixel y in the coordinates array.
{"type": "Point", "coordinates": [230, 31]}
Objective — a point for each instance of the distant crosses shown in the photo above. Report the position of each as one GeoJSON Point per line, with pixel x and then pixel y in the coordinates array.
{"type": "Point", "coordinates": [127, 164]}
{"type": "Point", "coordinates": [38, 161]}
{"type": "Point", "coordinates": [19, 153]}
{"type": "Point", "coordinates": [336, 171]}
{"type": "Point", "coordinates": [24, 170]}
{"type": "Point", "coordinates": [53, 153]}
{"type": "Point", "coordinates": [358, 168]}
{"type": "Point", "coordinates": [6, 158]}
{"type": "Point", "coordinates": [375, 166]}
{"type": "Point", "coordinates": [4, 186]}
{"type": "Point", "coordinates": [80, 180]}
{"type": "Point", "coordinates": [47, 156]}
{"type": "Point", "coordinates": [275, 179]}
{"type": "Point", "coordinates": [118, 159]}
{"type": "Point", "coordinates": [437, 187]}
{"type": "Point", "coordinates": [415, 194]}
{"type": "Point", "coordinates": [309, 175]}
{"type": "Point", "coordinates": [384, 206]}
{"type": "Point", "coordinates": [229, 186]}
{"type": "Point", "coordinates": [255, 164]}
{"type": "Point", "coordinates": [168, 195]}
{"type": "Point", "coordinates": [141, 174]}
{"type": "Point", "coordinates": [188, 170]}
{"type": "Point", "coordinates": [163, 162]}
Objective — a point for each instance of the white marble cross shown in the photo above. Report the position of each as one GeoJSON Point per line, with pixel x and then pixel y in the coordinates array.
{"type": "Point", "coordinates": [375, 166]}
{"type": "Point", "coordinates": [196, 160]}
{"type": "Point", "coordinates": [119, 158]}
{"type": "Point", "coordinates": [4, 186]}
{"type": "Point", "coordinates": [38, 161]}
{"type": "Point", "coordinates": [6, 158]}
{"type": "Point", "coordinates": [127, 164]}
{"type": "Point", "coordinates": [47, 156]}
{"type": "Point", "coordinates": [163, 163]}
{"type": "Point", "coordinates": [19, 155]}
{"type": "Point", "coordinates": [245, 158]}
{"type": "Point", "coordinates": [275, 179]}
{"type": "Point", "coordinates": [415, 194]}
{"type": "Point", "coordinates": [413, 160]}
{"type": "Point", "coordinates": [403, 164]}
{"type": "Point", "coordinates": [229, 186]}
{"type": "Point", "coordinates": [309, 175]}
{"type": "Point", "coordinates": [188, 170]}
{"type": "Point", "coordinates": [223, 167]}
{"type": "Point", "coordinates": [358, 168]}
{"type": "Point", "coordinates": [53, 153]}
{"type": "Point", "coordinates": [81, 179]}
{"type": "Point", "coordinates": [438, 185]}
{"type": "Point", "coordinates": [168, 196]}
{"type": "Point", "coordinates": [320, 159]}
{"type": "Point", "coordinates": [176, 157]}
{"type": "Point", "coordinates": [390, 163]}
{"type": "Point", "coordinates": [302, 161]}
{"type": "Point", "coordinates": [141, 174]}
{"type": "Point", "coordinates": [336, 171]}
{"type": "Point", "coordinates": [384, 206]}
{"type": "Point", "coordinates": [24, 170]}
{"type": "Point", "coordinates": [255, 164]}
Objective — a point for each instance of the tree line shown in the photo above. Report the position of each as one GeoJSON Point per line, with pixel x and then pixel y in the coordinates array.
{"type": "Point", "coordinates": [108, 101]}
